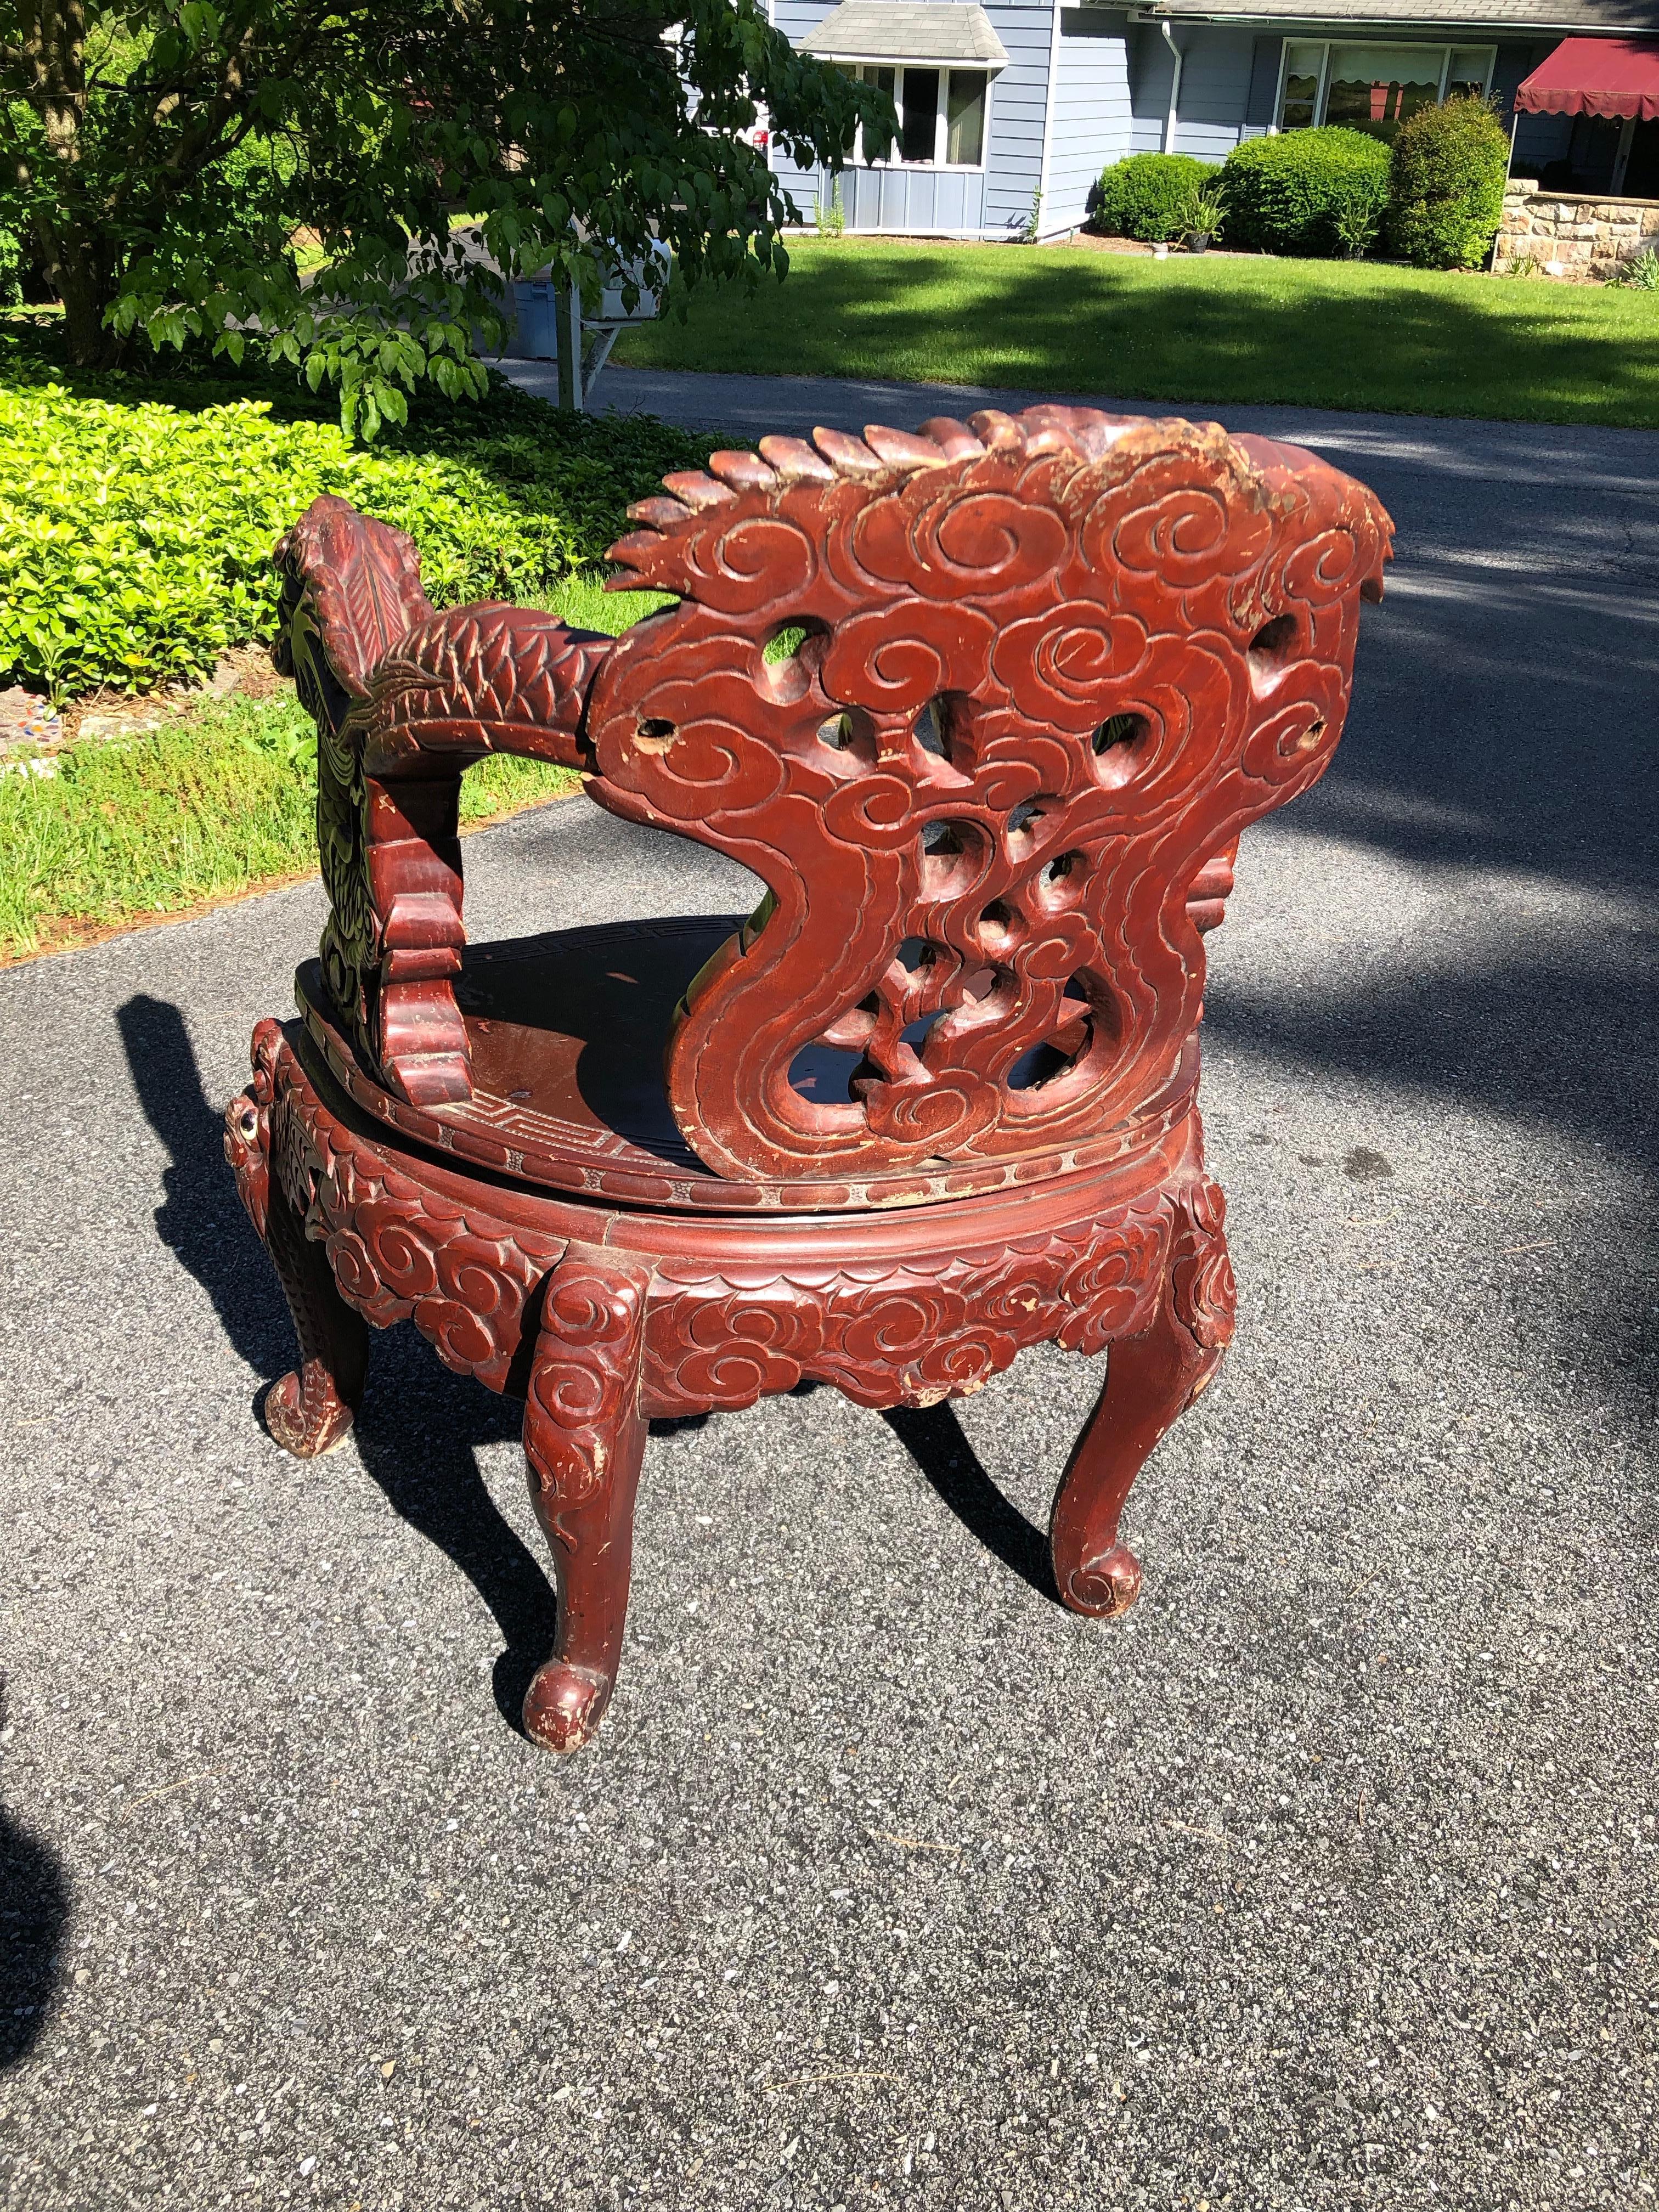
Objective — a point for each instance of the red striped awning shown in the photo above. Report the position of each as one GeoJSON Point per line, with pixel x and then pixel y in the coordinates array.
{"type": "Point", "coordinates": [1614, 77]}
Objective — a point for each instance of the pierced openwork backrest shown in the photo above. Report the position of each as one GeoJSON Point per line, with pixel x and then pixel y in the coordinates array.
{"type": "Point", "coordinates": [1045, 669]}
{"type": "Point", "coordinates": [1041, 671]}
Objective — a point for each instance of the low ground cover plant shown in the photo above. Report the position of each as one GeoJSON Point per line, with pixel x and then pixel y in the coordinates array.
{"type": "Point", "coordinates": [1150, 196]}
{"type": "Point", "coordinates": [136, 521]}
{"type": "Point", "coordinates": [1446, 185]}
{"type": "Point", "coordinates": [1314, 193]}
{"type": "Point", "coordinates": [1639, 273]}
{"type": "Point", "coordinates": [138, 517]}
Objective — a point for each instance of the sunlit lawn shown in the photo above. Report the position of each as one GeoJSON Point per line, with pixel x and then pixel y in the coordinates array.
{"type": "Point", "coordinates": [1211, 328]}
{"type": "Point", "coordinates": [218, 800]}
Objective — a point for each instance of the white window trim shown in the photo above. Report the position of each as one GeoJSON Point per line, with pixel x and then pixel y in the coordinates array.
{"type": "Point", "coordinates": [1419, 45]}
{"type": "Point", "coordinates": [941, 121]}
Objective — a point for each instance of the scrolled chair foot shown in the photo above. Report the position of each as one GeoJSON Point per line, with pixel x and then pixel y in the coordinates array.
{"type": "Point", "coordinates": [564, 1703]}
{"type": "Point", "coordinates": [584, 1438]}
{"type": "Point", "coordinates": [310, 1409]}
{"type": "Point", "coordinates": [306, 1414]}
{"type": "Point", "coordinates": [1150, 1380]}
{"type": "Point", "coordinates": [1102, 1587]}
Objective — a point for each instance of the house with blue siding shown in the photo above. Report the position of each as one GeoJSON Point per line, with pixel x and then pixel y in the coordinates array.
{"type": "Point", "coordinates": [1009, 111]}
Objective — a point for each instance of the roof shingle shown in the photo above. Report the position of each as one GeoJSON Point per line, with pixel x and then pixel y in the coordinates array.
{"type": "Point", "coordinates": [906, 31]}
{"type": "Point", "coordinates": [1539, 18]}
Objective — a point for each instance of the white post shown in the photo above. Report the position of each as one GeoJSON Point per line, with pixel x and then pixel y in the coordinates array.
{"type": "Point", "coordinates": [1514, 125]}
{"type": "Point", "coordinates": [1170, 118]}
{"type": "Point", "coordinates": [567, 331]}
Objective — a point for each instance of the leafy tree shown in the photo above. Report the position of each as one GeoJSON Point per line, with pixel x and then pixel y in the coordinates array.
{"type": "Point", "coordinates": [161, 157]}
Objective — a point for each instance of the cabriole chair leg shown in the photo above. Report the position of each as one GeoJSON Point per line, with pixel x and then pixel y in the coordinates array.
{"type": "Point", "coordinates": [584, 1439]}
{"type": "Point", "coordinates": [1150, 1380]}
{"type": "Point", "coordinates": [310, 1410]}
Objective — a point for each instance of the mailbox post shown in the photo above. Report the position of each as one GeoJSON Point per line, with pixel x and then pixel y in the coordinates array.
{"type": "Point", "coordinates": [553, 323]}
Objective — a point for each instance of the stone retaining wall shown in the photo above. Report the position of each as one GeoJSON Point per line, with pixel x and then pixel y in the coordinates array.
{"type": "Point", "coordinates": [1571, 235]}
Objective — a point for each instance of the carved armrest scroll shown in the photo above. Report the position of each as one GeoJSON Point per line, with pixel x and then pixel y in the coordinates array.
{"type": "Point", "coordinates": [405, 700]}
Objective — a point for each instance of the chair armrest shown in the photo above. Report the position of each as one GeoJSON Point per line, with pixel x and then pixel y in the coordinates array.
{"type": "Point", "coordinates": [405, 700]}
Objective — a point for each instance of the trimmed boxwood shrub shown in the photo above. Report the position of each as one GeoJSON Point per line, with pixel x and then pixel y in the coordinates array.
{"type": "Point", "coordinates": [1147, 195]}
{"type": "Point", "coordinates": [1317, 193]}
{"type": "Point", "coordinates": [1446, 185]}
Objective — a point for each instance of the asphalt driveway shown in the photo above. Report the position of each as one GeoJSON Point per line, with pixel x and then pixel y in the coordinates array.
{"type": "Point", "coordinates": [1327, 1879]}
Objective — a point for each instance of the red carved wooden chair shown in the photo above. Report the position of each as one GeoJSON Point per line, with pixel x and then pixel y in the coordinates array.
{"type": "Point", "coordinates": [935, 1100]}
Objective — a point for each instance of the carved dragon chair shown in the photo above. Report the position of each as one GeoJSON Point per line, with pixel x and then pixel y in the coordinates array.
{"type": "Point", "coordinates": [935, 1099]}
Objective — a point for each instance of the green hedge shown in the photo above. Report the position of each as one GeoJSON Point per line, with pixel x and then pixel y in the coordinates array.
{"type": "Point", "coordinates": [136, 533]}
{"type": "Point", "coordinates": [1446, 185]}
{"type": "Point", "coordinates": [1147, 195]}
{"type": "Point", "coordinates": [1319, 193]}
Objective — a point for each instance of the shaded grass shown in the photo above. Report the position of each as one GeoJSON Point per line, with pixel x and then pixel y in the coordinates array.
{"type": "Point", "coordinates": [1195, 328]}
{"type": "Point", "coordinates": [217, 801]}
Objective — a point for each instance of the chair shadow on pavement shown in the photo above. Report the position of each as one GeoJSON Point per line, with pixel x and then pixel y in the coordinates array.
{"type": "Point", "coordinates": [934, 1439]}
{"type": "Point", "coordinates": [420, 1425]}
{"type": "Point", "coordinates": [34, 1906]}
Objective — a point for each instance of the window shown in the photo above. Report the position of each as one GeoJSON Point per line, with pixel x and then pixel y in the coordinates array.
{"type": "Point", "coordinates": [964, 120]}
{"type": "Point", "coordinates": [1374, 88]}
{"type": "Point", "coordinates": [941, 113]}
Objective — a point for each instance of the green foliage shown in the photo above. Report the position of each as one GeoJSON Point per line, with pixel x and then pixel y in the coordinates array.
{"type": "Point", "coordinates": [11, 268]}
{"type": "Point", "coordinates": [223, 796]}
{"type": "Point", "coordinates": [1318, 193]}
{"type": "Point", "coordinates": [1204, 215]}
{"type": "Point", "coordinates": [164, 153]}
{"type": "Point", "coordinates": [832, 217]}
{"type": "Point", "coordinates": [1149, 196]}
{"type": "Point", "coordinates": [1640, 273]}
{"type": "Point", "coordinates": [1446, 185]}
{"type": "Point", "coordinates": [136, 532]}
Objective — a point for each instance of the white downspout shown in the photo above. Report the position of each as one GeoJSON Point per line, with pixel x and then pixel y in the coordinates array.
{"type": "Point", "coordinates": [1047, 116]}
{"type": "Point", "coordinates": [1174, 83]}
{"type": "Point", "coordinates": [1509, 166]}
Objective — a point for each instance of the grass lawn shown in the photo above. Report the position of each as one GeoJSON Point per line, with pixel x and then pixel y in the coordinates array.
{"type": "Point", "coordinates": [137, 517]}
{"type": "Point", "coordinates": [1211, 328]}
{"type": "Point", "coordinates": [218, 800]}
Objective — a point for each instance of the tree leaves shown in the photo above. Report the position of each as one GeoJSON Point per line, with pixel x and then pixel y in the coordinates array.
{"type": "Point", "coordinates": [312, 180]}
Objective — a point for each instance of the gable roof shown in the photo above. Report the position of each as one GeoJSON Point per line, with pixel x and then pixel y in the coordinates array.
{"type": "Point", "coordinates": [1539, 18]}
{"type": "Point", "coordinates": [906, 31]}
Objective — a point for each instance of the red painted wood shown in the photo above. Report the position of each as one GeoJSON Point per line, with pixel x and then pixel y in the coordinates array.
{"type": "Point", "coordinates": [584, 1440]}
{"type": "Point", "coordinates": [935, 1100]}
{"type": "Point", "coordinates": [1054, 665]}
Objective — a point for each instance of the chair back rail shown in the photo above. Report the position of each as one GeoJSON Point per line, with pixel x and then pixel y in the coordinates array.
{"type": "Point", "coordinates": [1044, 670]}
